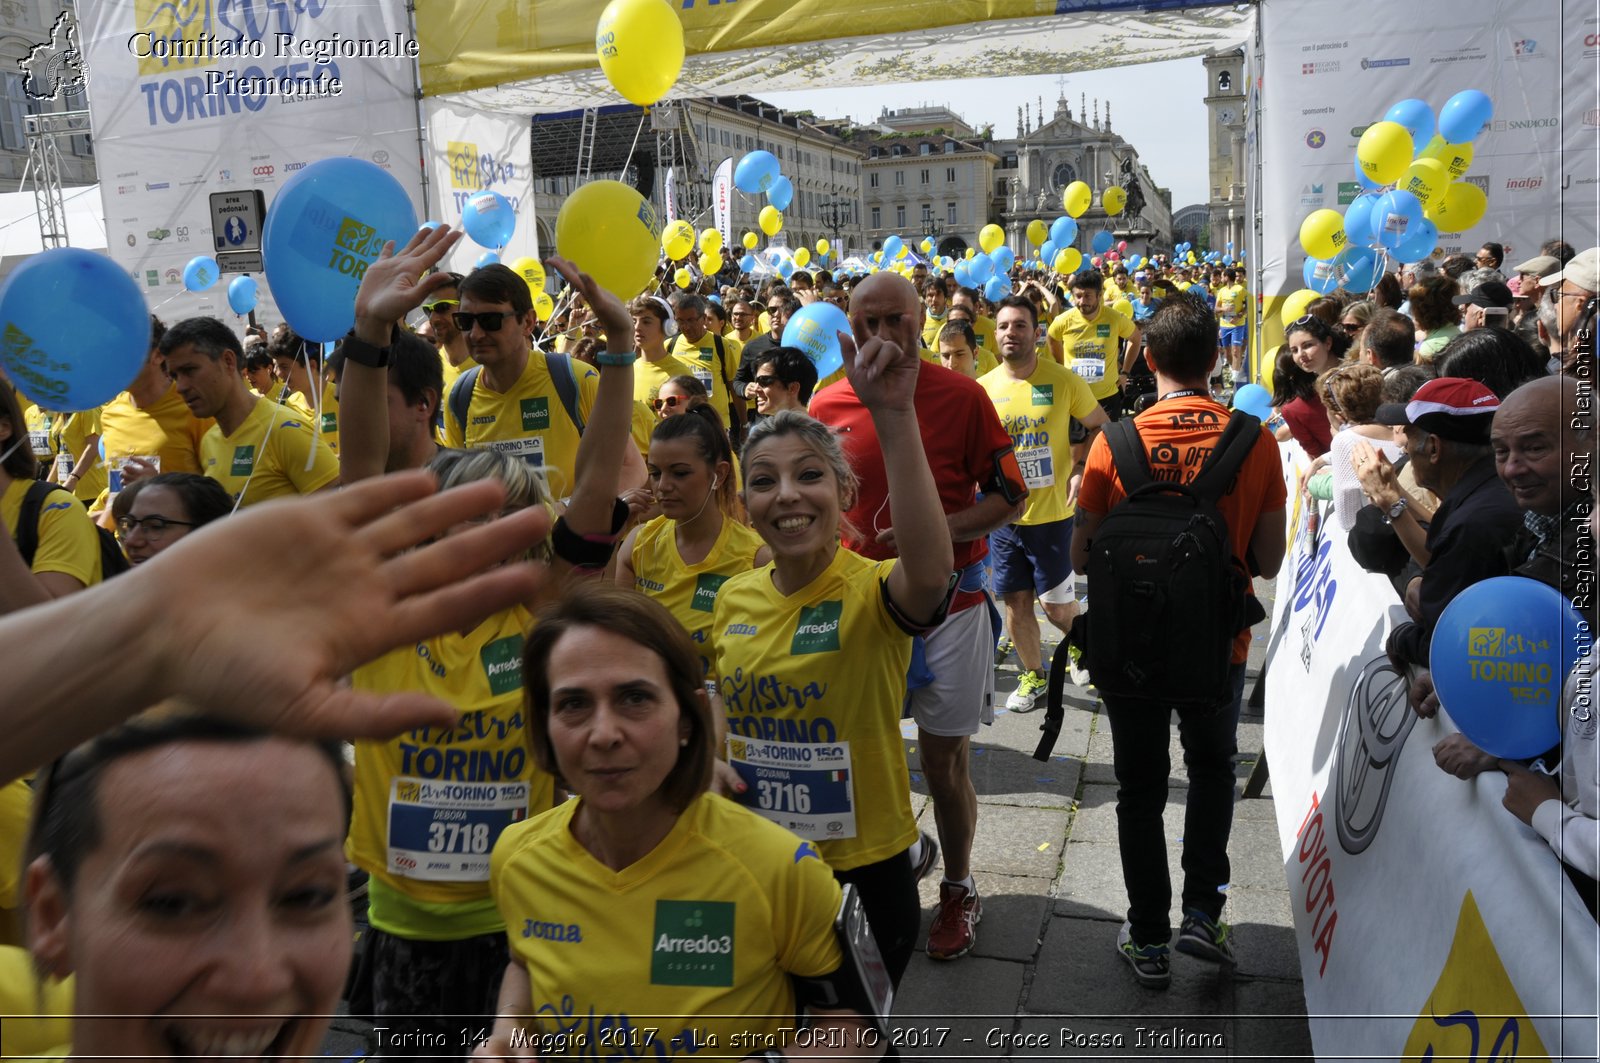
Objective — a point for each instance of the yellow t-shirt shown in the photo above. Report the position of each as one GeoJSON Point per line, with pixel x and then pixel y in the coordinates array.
{"type": "Point", "coordinates": [430, 803]}
{"type": "Point", "coordinates": [1038, 412]}
{"type": "Point", "coordinates": [983, 326]}
{"type": "Point", "coordinates": [165, 428]}
{"type": "Point", "coordinates": [453, 371]}
{"type": "Point", "coordinates": [38, 1013]}
{"type": "Point", "coordinates": [41, 425]}
{"type": "Point", "coordinates": [1231, 303]}
{"type": "Point", "coordinates": [329, 423]}
{"type": "Point", "coordinates": [824, 666]}
{"type": "Point", "coordinates": [1091, 347]}
{"type": "Point", "coordinates": [16, 807]}
{"type": "Point", "coordinates": [528, 421]}
{"type": "Point", "coordinates": [71, 434]}
{"type": "Point", "coordinates": [648, 377]}
{"type": "Point", "coordinates": [690, 591]}
{"type": "Point", "coordinates": [266, 457]}
{"type": "Point", "coordinates": [931, 327]}
{"type": "Point", "coordinates": [644, 422]}
{"type": "Point", "coordinates": [698, 939]}
{"type": "Point", "coordinates": [292, 400]}
{"type": "Point", "coordinates": [701, 358]}
{"type": "Point", "coordinates": [68, 542]}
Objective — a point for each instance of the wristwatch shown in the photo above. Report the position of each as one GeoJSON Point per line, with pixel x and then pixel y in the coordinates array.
{"type": "Point", "coordinates": [361, 352]}
{"type": "Point", "coordinates": [1395, 510]}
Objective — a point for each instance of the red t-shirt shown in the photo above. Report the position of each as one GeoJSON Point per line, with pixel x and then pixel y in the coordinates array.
{"type": "Point", "coordinates": [965, 442]}
{"type": "Point", "coordinates": [1308, 425]}
{"type": "Point", "coordinates": [1183, 431]}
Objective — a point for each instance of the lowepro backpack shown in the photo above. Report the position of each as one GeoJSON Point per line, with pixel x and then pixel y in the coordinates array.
{"type": "Point", "coordinates": [112, 560]}
{"type": "Point", "coordinates": [1166, 594]}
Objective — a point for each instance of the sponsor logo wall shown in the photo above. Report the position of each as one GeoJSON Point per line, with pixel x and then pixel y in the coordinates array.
{"type": "Point", "coordinates": [469, 151]}
{"type": "Point", "coordinates": [175, 120]}
{"type": "Point", "coordinates": [1431, 923]}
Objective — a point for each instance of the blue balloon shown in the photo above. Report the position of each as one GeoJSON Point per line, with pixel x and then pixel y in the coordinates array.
{"type": "Point", "coordinates": [980, 268]}
{"type": "Point", "coordinates": [1464, 116]}
{"type": "Point", "coordinates": [488, 258]}
{"type": "Point", "coordinates": [891, 249]}
{"type": "Point", "coordinates": [242, 295]}
{"type": "Point", "coordinates": [1136, 261]}
{"type": "Point", "coordinates": [1047, 253]}
{"type": "Point", "coordinates": [1358, 221]}
{"type": "Point", "coordinates": [1319, 275]}
{"type": "Point", "coordinates": [488, 219]}
{"type": "Point", "coordinates": [1357, 269]}
{"type": "Point", "coordinates": [77, 329]}
{"type": "Point", "coordinates": [1362, 179]}
{"type": "Point", "coordinates": [201, 273]}
{"type": "Point", "coordinates": [756, 172]}
{"type": "Point", "coordinates": [962, 274]}
{"type": "Point", "coordinates": [1396, 217]}
{"type": "Point", "coordinates": [748, 263]}
{"type": "Point", "coordinates": [1063, 231]}
{"type": "Point", "coordinates": [996, 289]}
{"type": "Point", "coordinates": [780, 193]}
{"type": "Point", "coordinates": [1416, 116]}
{"type": "Point", "coordinates": [1419, 242]}
{"type": "Point", "coordinates": [1227, 260]}
{"type": "Point", "coordinates": [1500, 652]}
{"type": "Point", "coordinates": [326, 226]}
{"type": "Point", "coordinates": [1102, 241]}
{"type": "Point", "coordinates": [815, 330]}
{"type": "Point", "coordinates": [1004, 258]}
{"type": "Point", "coordinates": [1253, 399]}
{"type": "Point", "coordinates": [786, 268]}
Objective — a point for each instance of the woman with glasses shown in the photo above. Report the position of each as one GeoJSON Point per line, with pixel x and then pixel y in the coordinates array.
{"type": "Point", "coordinates": [678, 394]}
{"type": "Point", "coordinates": [1310, 348]}
{"type": "Point", "coordinates": [1354, 320]}
{"type": "Point", "coordinates": [152, 514]}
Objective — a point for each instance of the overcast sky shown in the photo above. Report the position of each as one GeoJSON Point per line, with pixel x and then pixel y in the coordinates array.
{"type": "Point", "coordinates": [1156, 107]}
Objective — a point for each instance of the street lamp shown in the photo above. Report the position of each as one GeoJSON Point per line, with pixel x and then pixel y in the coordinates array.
{"type": "Point", "coordinates": [833, 213]}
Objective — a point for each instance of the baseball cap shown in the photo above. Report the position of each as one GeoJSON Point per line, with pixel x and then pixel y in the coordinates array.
{"type": "Point", "coordinates": [1489, 293]}
{"type": "Point", "coordinates": [1583, 270]}
{"type": "Point", "coordinates": [1450, 407]}
{"type": "Point", "coordinates": [1542, 265]}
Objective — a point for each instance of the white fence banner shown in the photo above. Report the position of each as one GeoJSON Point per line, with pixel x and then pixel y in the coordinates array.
{"type": "Point", "coordinates": [469, 151]}
{"type": "Point", "coordinates": [1431, 922]}
{"type": "Point", "coordinates": [193, 98]}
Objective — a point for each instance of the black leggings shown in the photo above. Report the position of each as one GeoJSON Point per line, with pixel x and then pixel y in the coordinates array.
{"type": "Point", "coordinates": [889, 897]}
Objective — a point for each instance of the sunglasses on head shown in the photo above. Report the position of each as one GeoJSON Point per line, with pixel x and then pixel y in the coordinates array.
{"type": "Point", "coordinates": [491, 320]}
{"type": "Point", "coordinates": [439, 304]}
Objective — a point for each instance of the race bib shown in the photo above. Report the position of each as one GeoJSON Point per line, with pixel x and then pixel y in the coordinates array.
{"type": "Point", "coordinates": [444, 831]}
{"type": "Point", "coordinates": [64, 465]}
{"type": "Point", "coordinates": [702, 373]}
{"type": "Point", "coordinates": [803, 786]}
{"type": "Point", "coordinates": [1038, 467]}
{"type": "Point", "coordinates": [39, 440]}
{"type": "Point", "coordinates": [1093, 370]}
{"type": "Point", "coordinates": [530, 449]}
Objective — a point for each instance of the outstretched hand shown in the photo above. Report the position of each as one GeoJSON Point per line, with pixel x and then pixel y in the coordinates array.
{"type": "Point", "coordinates": [394, 285]}
{"type": "Point", "coordinates": [883, 375]}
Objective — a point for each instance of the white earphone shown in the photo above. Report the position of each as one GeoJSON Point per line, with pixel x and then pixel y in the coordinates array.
{"type": "Point", "coordinates": [715, 479]}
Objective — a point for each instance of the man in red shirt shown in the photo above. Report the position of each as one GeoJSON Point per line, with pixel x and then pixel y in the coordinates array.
{"type": "Point", "coordinates": [1179, 432]}
{"type": "Point", "coordinates": [968, 450]}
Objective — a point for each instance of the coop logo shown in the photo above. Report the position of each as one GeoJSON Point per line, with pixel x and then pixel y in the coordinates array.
{"type": "Point", "coordinates": [1325, 66]}
{"type": "Point", "coordinates": [262, 171]}
{"type": "Point", "coordinates": [1377, 721]}
{"type": "Point", "coordinates": [55, 68]}
{"type": "Point", "coordinates": [1526, 184]}
{"type": "Point", "coordinates": [1316, 138]}
{"type": "Point", "coordinates": [1380, 64]}
{"type": "Point", "coordinates": [1591, 45]}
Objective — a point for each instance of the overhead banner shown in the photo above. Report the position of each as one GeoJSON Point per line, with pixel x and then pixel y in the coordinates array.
{"type": "Point", "coordinates": [1432, 924]}
{"type": "Point", "coordinates": [190, 99]}
{"type": "Point", "coordinates": [1327, 79]}
{"type": "Point", "coordinates": [471, 151]}
{"type": "Point", "coordinates": [538, 56]}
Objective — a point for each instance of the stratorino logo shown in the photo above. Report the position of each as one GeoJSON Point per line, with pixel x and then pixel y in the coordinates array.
{"type": "Point", "coordinates": [818, 628]}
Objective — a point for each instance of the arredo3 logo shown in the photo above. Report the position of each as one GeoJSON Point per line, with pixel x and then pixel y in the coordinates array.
{"type": "Point", "coordinates": [1377, 722]}
{"type": "Point", "coordinates": [55, 68]}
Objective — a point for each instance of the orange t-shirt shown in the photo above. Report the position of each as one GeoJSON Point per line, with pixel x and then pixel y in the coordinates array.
{"type": "Point", "coordinates": [1181, 433]}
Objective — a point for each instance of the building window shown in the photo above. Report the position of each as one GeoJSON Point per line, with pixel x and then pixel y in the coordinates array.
{"type": "Point", "coordinates": [14, 106]}
{"type": "Point", "coordinates": [899, 150]}
{"type": "Point", "coordinates": [1009, 161]}
{"type": "Point", "coordinates": [950, 174]}
{"type": "Point", "coordinates": [877, 152]}
{"type": "Point", "coordinates": [877, 218]}
{"type": "Point", "coordinates": [724, 138]}
{"type": "Point", "coordinates": [924, 176]}
{"type": "Point", "coordinates": [900, 216]}
{"type": "Point", "coordinates": [899, 178]}
{"type": "Point", "coordinates": [949, 147]}
{"type": "Point", "coordinates": [924, 148]}
{"type": "Point", "coordinates": [950, 214]}
{"type": "Point", "coordinates": [872, 179]}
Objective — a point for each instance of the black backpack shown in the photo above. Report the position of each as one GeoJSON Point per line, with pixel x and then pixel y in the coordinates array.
{"type": "Point", "coordinates": [112, 560]}
{"type": "Point", "coordinates": [1166, 594]}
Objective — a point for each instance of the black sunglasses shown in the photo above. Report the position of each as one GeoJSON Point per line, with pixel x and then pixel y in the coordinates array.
{"type": "Point", "coordinates": [491, 320]}
{"type": "Point", "coordinates": [766, 381]}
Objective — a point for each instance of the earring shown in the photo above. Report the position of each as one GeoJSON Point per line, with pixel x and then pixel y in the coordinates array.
{"type": "Point", "coordinates": [683, 743]}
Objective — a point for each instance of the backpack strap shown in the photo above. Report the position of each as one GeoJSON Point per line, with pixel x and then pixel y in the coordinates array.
{"type": "Point", "coordinates": [1228, 456]}
{"type": "Point", "coordinates": [28, 517]}
{"type": "Point", "coordinates": [460, 401]}
{"type": "Point", "coordinates": [722, 371]}
{"type": "Point", "coordinates": [1055, 710]}
{"type": "Point", "coordinates": [1127, 453]}
{"type": "Point", "coordinates": [566, 384]}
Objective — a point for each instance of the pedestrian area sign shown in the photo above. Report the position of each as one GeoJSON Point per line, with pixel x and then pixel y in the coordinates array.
{"type": "Point", "coordinates": [236, 219]}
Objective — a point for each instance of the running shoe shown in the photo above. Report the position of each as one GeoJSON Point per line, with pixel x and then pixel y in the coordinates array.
{"type": "Point", "coordinates": [1150, 963]}
{"type": "Point", "coordinates": [1030, 692]}
{"type": "Point", "coordinates": [930, 857]}
{"type": "Point", "coordinates": [955, 925]}
{"type": "Point", "coordinates": [1002, 650]}
{"type": "Point", "coordinates": [1205, 938]}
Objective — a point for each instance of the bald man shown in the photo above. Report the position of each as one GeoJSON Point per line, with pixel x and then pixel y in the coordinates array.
{"type": "Point", "coordinates": [968, 451]}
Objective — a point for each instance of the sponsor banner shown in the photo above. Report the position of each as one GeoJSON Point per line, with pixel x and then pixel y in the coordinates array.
{"type": "Point", "coordinates": [722, 214]}
{"type": "Point", "coordinates": [538, 56]}
{"type": "Point", "coordinates": [191, 99]}
{"type": "Point", "coordinates": [1487, 948]}
{"type": "Point", "coordinates": [470, 151]}
{"type": "Point", "coordinates": [1329, 82]}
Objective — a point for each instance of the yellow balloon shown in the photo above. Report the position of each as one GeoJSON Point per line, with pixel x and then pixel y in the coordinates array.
{"type": "Point", "coordinates": [801, 257]}
{"type": "Point", "coordinates": [1114, 199]}
{"type": "Point", "coordinates": [682, 278]}
{"type": "Point", "coordinates": [1075, 199]}
{"type": "Point", "coordinates": [1459, 209]}
{"type": "Point", "coordinates": [822, 247]}
{"type": "Point", "coordinates": [1425, 179]}
{"type": "Point", "coordinates": [544, 306]}
{"type": "Point", "coordinates": [1038, 232]}
{"type": "Point", "coordinates": [1295, 306]}
{"type": "Point", "coordinates": [1123, 307]}
{"type": "Point", "coordinates": [750, 240]}
{"type": "Point", "coordinates": [771, 220]}
{"type": "Point", "coordinates": [1457, 158]}
{"type": "Point", "coordinates": [1322, 233]}
{"type": "Point", "coordinates": [640, 44]}
{"type": "Point", "coordinates": [1068, 259]}
{"type": "Point", "coordinates": [991, 237]}
{"type": "Point", "coordinates": [971, 251]}
{"type": "Point", "coordinates": [710, 240]}
{"type": "Point", "coordinates": [611, 232]}
{"type": "Point", "coordinates": [529, 269]}
{"type": "Point", "coordinates": [1383, 152]}
{"type": "Point", "coordinates": [710, 262]}
{"type": "Point", "coordinates": [902, 252]}
{"type": "Point", "coordinates": [677, 239]}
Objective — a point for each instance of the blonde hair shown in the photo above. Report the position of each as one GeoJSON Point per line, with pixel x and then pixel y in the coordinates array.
{"type": "Point", "coordinates": [525, 486]}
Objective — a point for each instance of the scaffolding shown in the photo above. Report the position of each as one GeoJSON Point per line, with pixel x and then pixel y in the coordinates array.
{"type": "Point", "coordinates": [44, 169]}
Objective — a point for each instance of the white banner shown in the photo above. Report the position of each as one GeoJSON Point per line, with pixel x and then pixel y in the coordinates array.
{"type": "Point", "coordinates": [471, 150]}
{"type": "Point", "coordinates": [1431, 922]}
{"type": "Point", "coordinates": [722, 202]}
{"type": "Point", "coordinates": [186, 103]}
{"type": "Point", "coordinates": [1329, 75]}
{"type": "Point", "coordinates": [671, 191]}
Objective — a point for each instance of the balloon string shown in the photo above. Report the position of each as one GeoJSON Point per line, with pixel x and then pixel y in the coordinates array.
{"type": "Point", "coordinates": [644, 114]}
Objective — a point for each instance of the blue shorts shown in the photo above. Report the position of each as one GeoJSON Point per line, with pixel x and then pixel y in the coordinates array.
{"type": "Point", "coordinates": [1036, 557]}
{"type": "Point", "coordinates": [1231, 337]}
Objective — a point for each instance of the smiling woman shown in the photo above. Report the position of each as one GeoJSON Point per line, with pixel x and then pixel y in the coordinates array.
{"type": "Point", "coordinates": [190, 874]}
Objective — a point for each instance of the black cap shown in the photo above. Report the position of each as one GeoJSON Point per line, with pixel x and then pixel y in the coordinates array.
{"type": "Point", "coordinates": [1489, 293]}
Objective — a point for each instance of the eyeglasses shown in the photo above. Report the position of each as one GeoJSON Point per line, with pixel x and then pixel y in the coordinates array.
{"type": "Point", "coordinates": [1352, 326]}
{"type": "Point", "coordinates": [155, 527]}
{"type": "Point", "coordinates": [439, 304]}
{"type": "Point", "coordinates": [776, 308]}
{"type": "Point", "coordinates": [1557, 293]}
{"type": "Point", "coordinates": [491, 320]}
{"type": "Point", "coordinates": [667, 403]}
{"type": "Point", "coordinates": [766, 381]}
